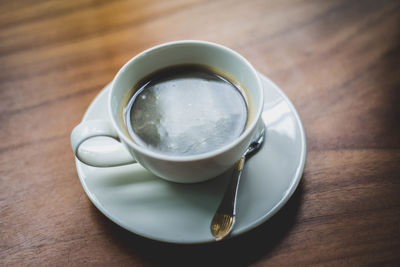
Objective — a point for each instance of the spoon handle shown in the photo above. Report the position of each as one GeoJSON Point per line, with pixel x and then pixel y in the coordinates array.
{"type": "Point", "coordinates": [224, 218]}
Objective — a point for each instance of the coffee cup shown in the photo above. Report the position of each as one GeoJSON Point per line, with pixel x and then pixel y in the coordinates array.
{"type": "Point", "coordinates": [181, 168]}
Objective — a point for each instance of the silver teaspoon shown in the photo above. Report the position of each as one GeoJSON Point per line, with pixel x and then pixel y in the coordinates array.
{"type": "Point", "coordinates": [224, 218]}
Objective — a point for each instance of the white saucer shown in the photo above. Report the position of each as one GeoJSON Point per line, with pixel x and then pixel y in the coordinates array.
{"type": "Point", "coordinates": [148, 206]}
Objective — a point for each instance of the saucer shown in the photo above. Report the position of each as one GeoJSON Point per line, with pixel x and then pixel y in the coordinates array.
{"type": "Point", "coordinates": [148, 206]}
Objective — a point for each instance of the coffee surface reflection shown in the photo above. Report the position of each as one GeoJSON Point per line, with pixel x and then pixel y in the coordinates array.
{"type": "Point", "coordinates": [186, 110]}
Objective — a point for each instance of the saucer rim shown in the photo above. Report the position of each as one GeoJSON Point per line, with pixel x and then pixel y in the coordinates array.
{"type": "Point", "coordinates": [288, 194]}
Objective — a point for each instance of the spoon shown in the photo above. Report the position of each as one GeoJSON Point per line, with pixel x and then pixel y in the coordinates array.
{"type": "Point", "coordinates": [224, 218]}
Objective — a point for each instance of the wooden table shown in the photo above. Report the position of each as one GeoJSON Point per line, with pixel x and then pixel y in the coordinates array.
{"type": "Point", "coordinates": [338, 61]}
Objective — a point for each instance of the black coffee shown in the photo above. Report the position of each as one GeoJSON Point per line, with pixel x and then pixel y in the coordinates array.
{"type": "Point", "coordinates": [185, 110]}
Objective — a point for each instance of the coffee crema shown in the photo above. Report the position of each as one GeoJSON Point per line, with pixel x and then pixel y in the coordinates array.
{"type": "Point", "coordinates": [186, 110]}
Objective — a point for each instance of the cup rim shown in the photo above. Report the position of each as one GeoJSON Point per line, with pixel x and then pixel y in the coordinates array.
{"type": "Point", "coordinates": [201, 156]}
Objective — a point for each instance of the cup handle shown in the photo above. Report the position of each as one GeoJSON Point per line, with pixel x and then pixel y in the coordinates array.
{"type": "Point", "coordinates": [100, 156]}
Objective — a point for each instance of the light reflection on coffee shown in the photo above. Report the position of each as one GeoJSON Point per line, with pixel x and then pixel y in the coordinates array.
{"type": "Point", "coordinates": [185, 110]}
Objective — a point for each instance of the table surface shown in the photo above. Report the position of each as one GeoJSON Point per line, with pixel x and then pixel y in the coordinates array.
{"type": "Point", "coordinates": [338, 61]}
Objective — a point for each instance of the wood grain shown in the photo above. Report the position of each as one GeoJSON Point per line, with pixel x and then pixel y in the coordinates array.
{"type": "Point", "coordinates": [338, 61]}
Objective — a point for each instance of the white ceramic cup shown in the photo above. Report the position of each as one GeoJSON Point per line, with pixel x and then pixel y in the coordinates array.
{"type": "Point", "coordinates": [182, 169]}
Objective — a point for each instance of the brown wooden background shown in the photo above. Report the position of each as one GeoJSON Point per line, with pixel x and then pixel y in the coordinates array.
{"type": "Point", "coordinates": [338, 61]}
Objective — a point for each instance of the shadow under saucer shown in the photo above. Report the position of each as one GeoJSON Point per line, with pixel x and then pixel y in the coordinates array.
{"type": "Point", "coordinates": [241, 250]}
